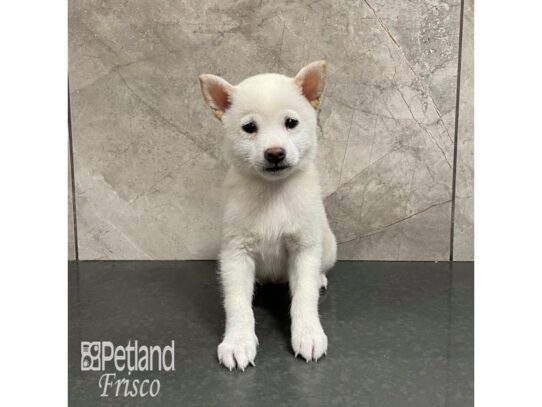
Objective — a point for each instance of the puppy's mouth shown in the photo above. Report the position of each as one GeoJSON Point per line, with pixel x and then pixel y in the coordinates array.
{"type": "Point", "coordinates": [276, 168]}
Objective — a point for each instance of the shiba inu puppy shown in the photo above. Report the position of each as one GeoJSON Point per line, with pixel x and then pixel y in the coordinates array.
{"type": "Point", "coordinates": [275, 228]}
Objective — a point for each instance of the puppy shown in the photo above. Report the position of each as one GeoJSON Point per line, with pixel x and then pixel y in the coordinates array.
{"type": "Point", "coordinates": [275, 228]}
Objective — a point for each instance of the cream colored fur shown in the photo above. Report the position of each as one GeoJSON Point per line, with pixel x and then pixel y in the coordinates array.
{"type": "Point", "coordinates": [275, 228]}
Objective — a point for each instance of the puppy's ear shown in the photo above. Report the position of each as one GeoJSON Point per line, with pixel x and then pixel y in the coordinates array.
{"type": "Point", "coordinates": [312, 79]}
{"type": "Point", "coordinates": [217, 93]}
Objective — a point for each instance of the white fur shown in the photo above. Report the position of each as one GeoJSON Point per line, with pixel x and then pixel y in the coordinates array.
{"type": "Point", "coordinates": [275, 227]}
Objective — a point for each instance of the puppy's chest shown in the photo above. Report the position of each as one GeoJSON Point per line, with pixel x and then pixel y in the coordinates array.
{"type": "Point", "coordinates": [265, 224]}
{"type": "Point", "coordinates": [264, 232]}
{"type": "Point", "coordinates": [272, 232]}
{"type": "Point", "coordinates": [270, 220]}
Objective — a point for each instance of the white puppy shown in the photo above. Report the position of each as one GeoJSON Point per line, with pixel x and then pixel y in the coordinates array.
{"type": "Point", "coordinates": [275, 227]}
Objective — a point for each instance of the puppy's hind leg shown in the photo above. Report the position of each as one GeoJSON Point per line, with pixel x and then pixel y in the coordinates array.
{"type": "Point", "coordinates": [329, 255]}
{"type": "Point", "coordinates": [323, 281]}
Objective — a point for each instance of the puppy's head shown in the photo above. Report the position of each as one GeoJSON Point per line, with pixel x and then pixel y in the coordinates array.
{"type": "Point", "coordinates": [270, 119]}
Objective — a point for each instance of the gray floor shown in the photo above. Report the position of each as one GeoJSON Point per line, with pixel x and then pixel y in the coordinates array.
{"type": "Point", "coordinates": [400, 334]}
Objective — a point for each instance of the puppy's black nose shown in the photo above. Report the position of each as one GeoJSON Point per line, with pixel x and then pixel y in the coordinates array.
{"type": "Point", "coordinates": [274, 155]}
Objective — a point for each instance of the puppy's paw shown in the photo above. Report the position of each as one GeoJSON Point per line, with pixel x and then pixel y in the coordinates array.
{"type": "Point", "coordinates": [309, 341]}
{"type": "Point", "coordinates": [237, 351]}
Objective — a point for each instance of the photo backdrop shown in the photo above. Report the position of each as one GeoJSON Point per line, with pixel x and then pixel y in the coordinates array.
{"type": "Point", "coordinates": [147, 157]}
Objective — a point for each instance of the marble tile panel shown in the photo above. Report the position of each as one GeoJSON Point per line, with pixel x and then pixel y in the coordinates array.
{"type": "Point", "coordinates": [464, 199]}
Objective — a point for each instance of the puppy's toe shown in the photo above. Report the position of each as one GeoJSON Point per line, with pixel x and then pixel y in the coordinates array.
{"type": "Point", "coordinates": [310, 342]}
{"type": "Point", "coordinates": [237, 352]}
{"type": "Point", "coordinates": [225, 356]}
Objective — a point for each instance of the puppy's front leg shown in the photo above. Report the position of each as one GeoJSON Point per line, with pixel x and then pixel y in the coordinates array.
{"type": "Point", "coordinates": [238, 347]}
{"type": "Point", "coordinates": [308, 337]}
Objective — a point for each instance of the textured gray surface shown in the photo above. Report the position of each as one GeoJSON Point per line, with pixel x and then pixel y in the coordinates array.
{"type": "Point", "coordinates": [148, 164]}
{"type": "Point", "coordinates": [464, 200]}
{"type": "Point", "coordinates": [400, 334]}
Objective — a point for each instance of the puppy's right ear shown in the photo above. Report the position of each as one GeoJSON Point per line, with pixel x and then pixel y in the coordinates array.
{"type": "Point", "coordinates": [217, 93]}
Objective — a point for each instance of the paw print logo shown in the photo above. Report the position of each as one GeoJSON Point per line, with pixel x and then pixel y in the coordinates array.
{"type": "Point", "coordinates": [90, 356]}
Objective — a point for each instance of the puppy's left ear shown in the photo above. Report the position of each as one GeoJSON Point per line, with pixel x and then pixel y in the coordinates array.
{"type": "Point", "coordinates": [311, 80]}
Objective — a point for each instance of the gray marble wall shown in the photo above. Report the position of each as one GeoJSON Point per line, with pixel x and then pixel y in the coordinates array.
{"type": "Point", "coordinates": [464, 198]}
{"type": "Point", "coordinates": [147, 153]}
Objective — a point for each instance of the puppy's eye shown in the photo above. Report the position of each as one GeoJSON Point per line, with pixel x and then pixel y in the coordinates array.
{"type": "Point", "coordinates": [250, 127]}
{"type": "Point", "coordinates": [291, 123]}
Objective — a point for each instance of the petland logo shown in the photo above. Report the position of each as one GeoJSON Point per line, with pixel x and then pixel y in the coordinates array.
{"type": "Point", "coordinates": [102, 356]}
